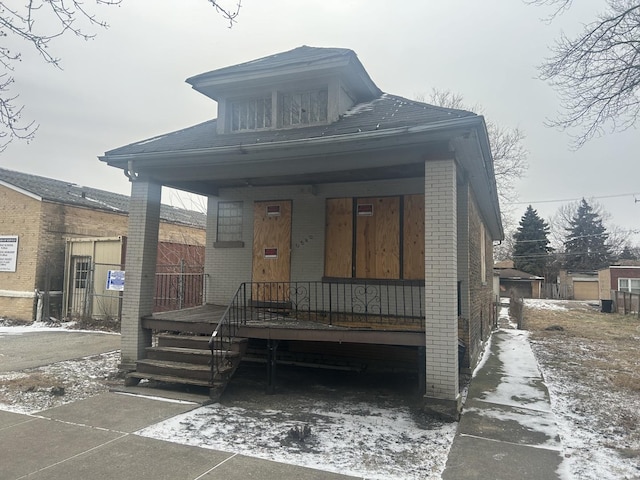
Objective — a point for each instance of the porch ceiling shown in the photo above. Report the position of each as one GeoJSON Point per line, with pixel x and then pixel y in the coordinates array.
{"type": "Point", "coordinates": [211, 186]}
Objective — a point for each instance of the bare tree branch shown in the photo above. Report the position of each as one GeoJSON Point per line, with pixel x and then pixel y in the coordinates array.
{"type": "Point", "coordinates": [35, 23]}
{"type": "Point", "coordinates": [507, 149]}
{"type": "Point", "coordinates": [228, 13]}
{"type": "Point", "coordinates": [560, 6]}
{"type": "Point", "coordinates": [597, 74]}
{"type": "Point", "coordinates": [509, 162]}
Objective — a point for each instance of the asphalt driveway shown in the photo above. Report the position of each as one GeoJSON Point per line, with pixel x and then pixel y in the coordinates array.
{"type": "Point", "coordinates": [22, 350]}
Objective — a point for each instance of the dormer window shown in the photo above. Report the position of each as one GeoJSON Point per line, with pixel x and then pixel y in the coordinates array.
{"type": "Point", "coordinates": [252, 114]}
{"type": "Point", "coordinates": [303, 108]}
{"type": "Point", "coordinates": [280, 109]}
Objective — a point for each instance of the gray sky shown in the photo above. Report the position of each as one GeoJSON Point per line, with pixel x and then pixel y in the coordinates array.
{"type": "Point", "coordinates": [128, 83]}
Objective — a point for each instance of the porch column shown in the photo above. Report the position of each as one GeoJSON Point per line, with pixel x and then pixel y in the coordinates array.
{"type": "Point", "coordinates": [441, 276]}
{"type": "Point", "coordinates": [142, 250]}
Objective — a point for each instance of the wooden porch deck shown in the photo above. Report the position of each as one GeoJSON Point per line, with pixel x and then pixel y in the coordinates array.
{"type": "Point", "coordinates": [204, 319]}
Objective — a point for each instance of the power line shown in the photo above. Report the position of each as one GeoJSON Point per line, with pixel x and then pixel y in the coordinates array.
{"type": "Point", "coordinates": [576, 199]}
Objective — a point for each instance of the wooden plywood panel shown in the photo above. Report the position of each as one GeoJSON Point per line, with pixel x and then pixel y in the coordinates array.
{"type": "Point", "coordinates": [272, 249]}
{"type": "Point", "coordinates": [413, 243]}
{"type": "Point", "coordinates": [378, 238]}
{"type": "Point", "coordinates": [338, 254]}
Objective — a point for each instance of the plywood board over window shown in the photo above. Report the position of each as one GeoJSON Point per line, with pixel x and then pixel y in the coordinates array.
{"type": "Point", "coordinates": [339, 238]}
{"type": "Point", "coordinates": [413, 238]}
{"type": "Point", "coordinates": [378, 239]}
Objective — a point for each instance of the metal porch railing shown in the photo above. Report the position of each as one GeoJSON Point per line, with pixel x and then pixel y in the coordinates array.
{"type": "Point", "coordinates": [358, 302]}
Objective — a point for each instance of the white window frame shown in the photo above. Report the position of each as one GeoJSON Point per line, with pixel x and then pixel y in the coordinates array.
{"type": "Point", "coordinates": [306, 107]}
{"type": "Point", "coordinates": [229, 222]}
{"type": "Point", "coordinates": [629, 285]}
{"type": "Point", "coordinates": [251, 114]}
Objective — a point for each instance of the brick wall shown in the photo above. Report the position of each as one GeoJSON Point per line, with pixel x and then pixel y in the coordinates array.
{"type": "Point", "coordinates": [463, 269]}
{"type": "Point", "coordinates": [20, 216]}
{"type": "Point", "coordinates": [480, 289]}
{"type": "Point", "coordinates": [42, 228]}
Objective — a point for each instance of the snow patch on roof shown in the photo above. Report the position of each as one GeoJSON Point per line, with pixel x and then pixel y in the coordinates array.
{"type": "Point", "coordinates": [363, 107]}
{"type": "Point", "coordinates": [150, 140]}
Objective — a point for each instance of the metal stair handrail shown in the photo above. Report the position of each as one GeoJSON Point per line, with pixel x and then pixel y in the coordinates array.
{"type": "Point", "coordinates": [227, 328]}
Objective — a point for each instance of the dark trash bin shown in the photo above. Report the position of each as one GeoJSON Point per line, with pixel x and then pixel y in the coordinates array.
{"type": "Point", "coordinates": [606, 306]}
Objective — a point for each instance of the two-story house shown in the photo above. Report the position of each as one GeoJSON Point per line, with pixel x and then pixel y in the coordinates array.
{"type": "Point", "coordinates": [366, 216]}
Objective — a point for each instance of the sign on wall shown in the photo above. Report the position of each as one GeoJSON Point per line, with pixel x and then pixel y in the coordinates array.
{"type": "Point", "coordinates": [8, 253]}
{"type": "Point", "coordinates": [115, 280]}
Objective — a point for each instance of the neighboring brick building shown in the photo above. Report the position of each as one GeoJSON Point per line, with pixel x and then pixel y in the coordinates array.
{"type": "Point", "coordinates": [41, 213]}
{"type": "Point", "coordinates": [314, 175]}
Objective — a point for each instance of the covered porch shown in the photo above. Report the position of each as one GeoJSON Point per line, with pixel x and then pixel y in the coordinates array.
{"type": "Point", "coordinates": [412, 208]}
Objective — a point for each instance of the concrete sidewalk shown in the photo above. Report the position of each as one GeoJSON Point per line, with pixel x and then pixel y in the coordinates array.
{"type": "Point", "coordinates": [94, 438]}
{"type": "Point", "coordinates": [507, 429]}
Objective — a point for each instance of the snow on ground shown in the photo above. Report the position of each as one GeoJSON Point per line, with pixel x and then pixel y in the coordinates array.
{"type": "Point", "coordinates": [7, 328]}
{"type": "Point", "coordinates": [595, 444]}
{"type": "Point", "coordinates": [351, 438]}
{"type": "Point", "coordinates": [543, 304]}
{"type": "Point", "coordinates": [374, 436]}
{"type": "Point", "coordinates": [36, 389]}
{"type": "Point", "coordinates": [597, 424]}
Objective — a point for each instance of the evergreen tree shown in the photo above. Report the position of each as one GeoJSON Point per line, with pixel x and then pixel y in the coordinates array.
{"type": "Point", "coordinates": [531, 250]}
{"type": "Point", "coordinates": [585, 244]}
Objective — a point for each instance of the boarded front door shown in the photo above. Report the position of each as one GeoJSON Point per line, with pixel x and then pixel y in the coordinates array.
{"type": "Point", "coordinates": [271, 251]}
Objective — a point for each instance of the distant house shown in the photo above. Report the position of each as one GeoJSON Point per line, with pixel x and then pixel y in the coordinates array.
{"type": "Point", "coordinates": [521, 284]}
{"type": "Point", "coordinates": [579, 285]}
{"type": "Point", "coordinates": [624, 277]}
{"type": "Point", "coordinates": [331, 201]}
{"type": "Point", "coordinates": [38, 217]}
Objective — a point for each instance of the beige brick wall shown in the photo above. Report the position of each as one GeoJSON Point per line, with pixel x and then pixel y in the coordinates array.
{"type": "Point", "coordinates": [42, 228]}
{"type": "Point", "coordinates": [20, 216]}
{"type": "Point", "coordinates": [175, 233]}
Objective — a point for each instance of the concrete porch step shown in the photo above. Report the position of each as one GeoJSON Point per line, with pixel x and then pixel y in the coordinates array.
{"type": "Point", "coordinates": [178, 369]}
{"type": "Point", "coordinates": [200, 342]}
{"type": "Point", "coordinates": [186, 355]}
{"type": "Point", "coordinates": [171, 379]}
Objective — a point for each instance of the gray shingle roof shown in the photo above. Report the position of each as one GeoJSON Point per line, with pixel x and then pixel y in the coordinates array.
{"type": "Point", "coordinates": [71, 194]}
{"type": "Point", "coordinates": [385, 112]}
{"type": "Point", "coordinates": [303, 55]}
{"type": "Point", "coordinates": [512, 274]}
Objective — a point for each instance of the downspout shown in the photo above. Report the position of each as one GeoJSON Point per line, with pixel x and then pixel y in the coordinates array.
{"type": "Point", "coordinates": [130, 173]}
